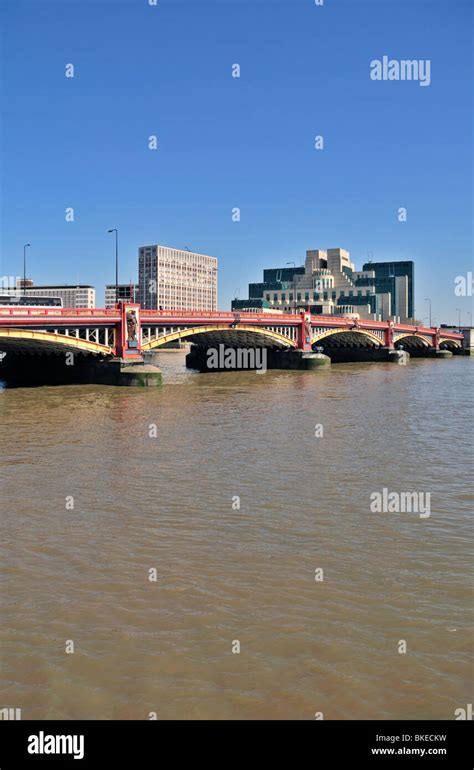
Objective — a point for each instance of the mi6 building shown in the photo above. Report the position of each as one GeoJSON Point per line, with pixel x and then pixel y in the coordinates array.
{"type": "Point", "coordinates": [329, 284]}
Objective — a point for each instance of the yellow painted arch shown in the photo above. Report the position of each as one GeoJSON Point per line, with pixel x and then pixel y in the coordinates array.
{"type": "Point", "coordinates": [403, 336]}
{"type": "Point", "coordinates": [458, 343]}
{"type": "Point", "coordinates": [216, 328]}
{"type": "Point", "coordinates": [52, 339]}
{"type": "Point", "coordinates": [364, 332]}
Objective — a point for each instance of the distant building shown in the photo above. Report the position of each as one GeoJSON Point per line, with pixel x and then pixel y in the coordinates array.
{"type": "Point", "coordinates": [253, 305]}
{"type": "Point", "coordinates": [126, 291]}
{"type": "Point", "coordinates": [397, 280]}
{"type": "Point", "coordinates": [72, 296]}
{"type": "Point", "coordinates": [21, 282]}
{"type": "Point", "coordinates": [176, 279]}
{"type": "Point", "coordinates": [329, 284]}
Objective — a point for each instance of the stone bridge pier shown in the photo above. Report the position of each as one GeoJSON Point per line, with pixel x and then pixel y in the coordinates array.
{"type": "Point", "coordinates": [32, 357]}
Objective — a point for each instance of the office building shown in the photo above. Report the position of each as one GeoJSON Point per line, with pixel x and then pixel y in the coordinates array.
{"type": "Point", "coordinates": [329, 284]}
{"type": "Point", "coordinates": [126, 291]}
{"type": "Point", "coordinates": [176, 279]}
{"type": "Point", "coordinates": [397, 280]}
{"type": "Point", "coordinates": [72, 296]}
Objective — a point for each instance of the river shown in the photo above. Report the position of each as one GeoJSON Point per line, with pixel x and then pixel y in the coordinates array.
{"type": "Point", "coordinates": [247, 497]}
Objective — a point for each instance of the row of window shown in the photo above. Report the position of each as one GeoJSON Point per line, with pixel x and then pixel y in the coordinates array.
{"type": "Point", "coordinates": [162, 276]}
{"type": "Point", "coordinates": [149, 263]}
{"type": "Point", "coordinates": [316, 296]}
{"type": "Point", "coordinates": [178, 306]}
{"type": "Point", "coordinates": [171, 254]}
{"type": "Point", "coordinates": [180, 282]}
{"type": "Point", "coordinates": [189, 288]}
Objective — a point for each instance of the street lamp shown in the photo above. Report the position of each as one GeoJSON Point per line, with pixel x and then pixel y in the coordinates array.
{"type": "Point", "coordinates": [114, 230]}
{"type": "Point", "coordinates": [236, 296]}
{"type": "Point", "coordinates": [294, 284]}
{"type": "Point", "coordinates": [24, 267]}
{"type": "Point", "coordinates": [459, 319]}
{"type": "Point", "coordinates": [428, 299]}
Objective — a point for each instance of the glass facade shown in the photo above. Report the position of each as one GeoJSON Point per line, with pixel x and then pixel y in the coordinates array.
{"type": "Point", "coordinates": [281, 274]}
{"type": "Point", "coordinates": [381, 290]}
{"type": "Point", "coordinates": [126, 291]}
{"type": "Point", "coordinates": [385, 283]}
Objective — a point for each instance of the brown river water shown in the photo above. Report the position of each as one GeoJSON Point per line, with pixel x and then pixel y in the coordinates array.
{"type": "Point", "coordinates": [226, 574]}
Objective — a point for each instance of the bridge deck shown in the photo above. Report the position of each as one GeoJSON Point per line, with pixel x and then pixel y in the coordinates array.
{"type": "Point", "coordinates": [49, 317]}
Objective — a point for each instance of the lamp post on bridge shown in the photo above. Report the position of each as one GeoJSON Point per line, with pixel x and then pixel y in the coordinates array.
{"type": "Point", "coordinates": [114, 230]}
{"type": "Point", "coordinates": [428, 299]}
{"type": "Point", "coordinates": [459, 320]}
{"type": "Point", "coordinates": [24, 267]}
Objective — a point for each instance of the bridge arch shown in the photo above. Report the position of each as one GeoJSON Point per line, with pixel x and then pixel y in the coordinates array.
{"type": "Point", "coordinates": [413, 339]}
{"type": "Point", "coordinates": [241, 334]}
{"type": "Point", "coordinates": [33, 341]}
{"type": "Point", "coordinates": [361, 332]}
{"type": "Point", "coordinates": [447, 343]}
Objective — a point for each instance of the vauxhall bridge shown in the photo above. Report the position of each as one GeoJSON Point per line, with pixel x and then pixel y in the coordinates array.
{"type": "Point", "coordinates": [108, 345]}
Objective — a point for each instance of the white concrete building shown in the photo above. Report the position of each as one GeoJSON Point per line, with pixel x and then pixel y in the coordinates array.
{"type": "Point", "coordinates": [176, 279]}
{"type": "Point", "coordinates": [71, 296]}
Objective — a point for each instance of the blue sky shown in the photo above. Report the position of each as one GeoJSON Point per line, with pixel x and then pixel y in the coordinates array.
{"type": "Point", "coordinates": [245, 142]}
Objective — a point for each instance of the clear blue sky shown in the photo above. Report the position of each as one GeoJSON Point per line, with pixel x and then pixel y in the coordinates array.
{"type": "Point", "coordinates": [226, 142]}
